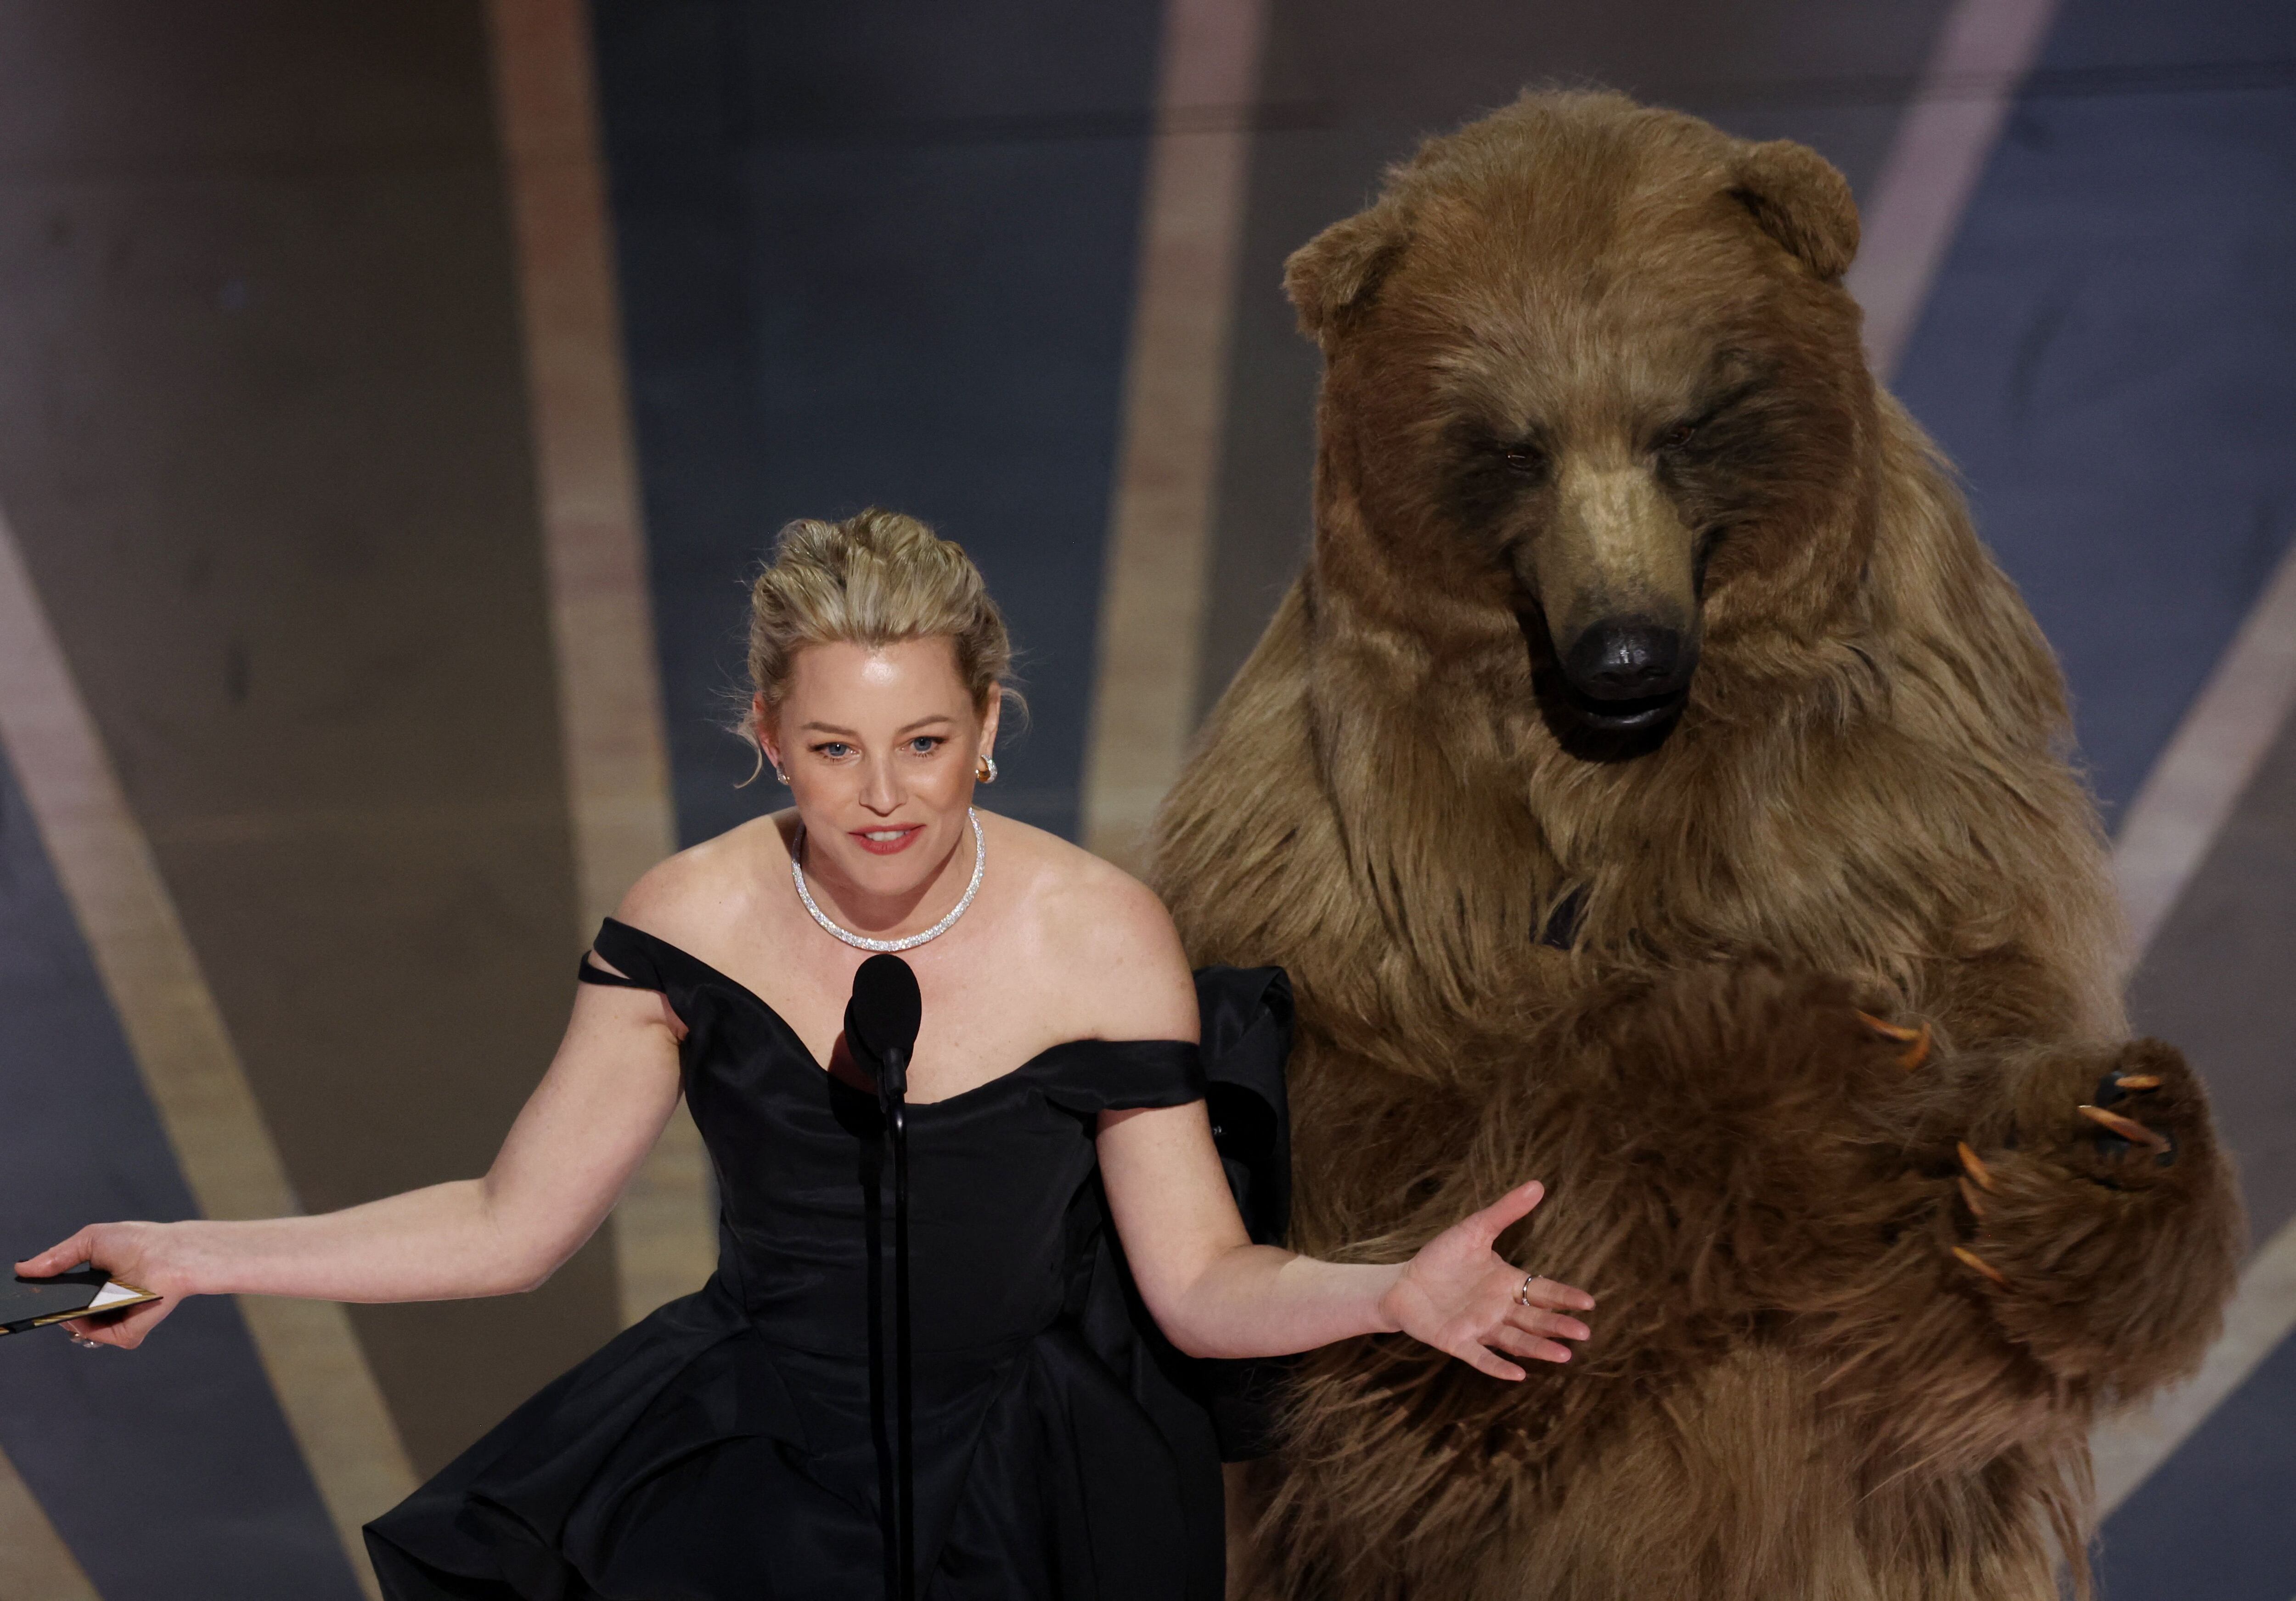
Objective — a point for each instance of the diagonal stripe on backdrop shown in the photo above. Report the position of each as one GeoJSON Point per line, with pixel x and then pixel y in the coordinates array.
{"type": "Point", "coordinates": [2200, 778]}
{"type": "Point", "coordinates": [40, 1567]}
{"type": "Point", "coordinates": [601, 629]}
{"type": "Point", "coordinates": [2128, 1449]}
{"type": "Point", "coordinates": [2187, 799]}
{"type": "Point", "coordinates": [1949, 128]}
{"type": "Point", "coordinates": [1151, 609]}
{"type": "Point", "coordinates": [190, 1069]}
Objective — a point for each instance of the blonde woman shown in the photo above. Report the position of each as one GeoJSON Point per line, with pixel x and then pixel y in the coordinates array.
{"type": "Point", "coordinates": [733, 1444]}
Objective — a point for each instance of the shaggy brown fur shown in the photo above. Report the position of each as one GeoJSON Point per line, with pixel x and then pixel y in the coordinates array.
{"type": "Point", "coordinates": [1583, 356]}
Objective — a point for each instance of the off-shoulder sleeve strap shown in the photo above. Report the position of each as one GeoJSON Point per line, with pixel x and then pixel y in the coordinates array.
{"type": "Point", "coordinates": [631, 953]}
{"type": "Point", "coordinates": [1247, 1028]}
{"type": "Point", "coordinates": [1088, 1077]}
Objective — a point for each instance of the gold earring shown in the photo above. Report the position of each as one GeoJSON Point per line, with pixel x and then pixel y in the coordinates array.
{"type": "Point", "coordinates": [984, 771]}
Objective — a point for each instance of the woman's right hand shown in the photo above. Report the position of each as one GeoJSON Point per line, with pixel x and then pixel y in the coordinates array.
{"type": "Point", "coordinates": [151, 1256]}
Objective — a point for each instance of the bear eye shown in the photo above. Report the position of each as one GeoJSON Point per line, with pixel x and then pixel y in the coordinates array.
{"type": "Point", "coordinates": [1678, 435]}
{"type": "Point", "coordinates": [1523, 458]}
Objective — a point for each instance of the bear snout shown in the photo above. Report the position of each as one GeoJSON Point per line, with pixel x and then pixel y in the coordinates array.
{"type": "Point", "coordinates": [1628, 672]}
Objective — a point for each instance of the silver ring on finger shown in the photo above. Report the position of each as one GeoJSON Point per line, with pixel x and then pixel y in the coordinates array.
{"type": "Point", "coordinates": [1523, 1290]}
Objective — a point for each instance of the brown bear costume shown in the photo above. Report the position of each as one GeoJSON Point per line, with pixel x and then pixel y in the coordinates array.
{"type": "Point", "coordinates": [1653, 787]}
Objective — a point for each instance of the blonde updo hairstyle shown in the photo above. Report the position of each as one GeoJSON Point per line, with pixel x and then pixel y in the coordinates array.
{"type": "Point", "coordinates": [874, 579]}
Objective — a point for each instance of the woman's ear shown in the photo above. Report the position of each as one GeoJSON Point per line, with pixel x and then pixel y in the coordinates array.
{"type": "Point", "coordinates": [761, 730]}
{"type": "Point", "coordinates": [989, 720]}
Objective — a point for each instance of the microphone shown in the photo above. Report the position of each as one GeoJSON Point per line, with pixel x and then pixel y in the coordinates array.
{"type": "Point", "coordinates": [881, 1024]}
{"type": "Point", "coordinates": [881, 1030]}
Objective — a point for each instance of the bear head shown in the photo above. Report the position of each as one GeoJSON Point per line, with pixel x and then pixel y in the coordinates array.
{"type": "Point", "coordinates": [1592, 378]}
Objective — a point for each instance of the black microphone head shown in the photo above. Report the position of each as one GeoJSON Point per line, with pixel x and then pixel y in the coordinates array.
{"type": "Point", "coordinates": [881, 1019]}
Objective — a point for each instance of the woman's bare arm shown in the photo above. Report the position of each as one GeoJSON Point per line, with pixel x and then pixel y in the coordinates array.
{"type": "Point", "coordinates": [1215, 1293]}
{"type": "Point", "coordinates": [1210, 1289]}
{"type": "Point", "coordinates": [596, 1113]}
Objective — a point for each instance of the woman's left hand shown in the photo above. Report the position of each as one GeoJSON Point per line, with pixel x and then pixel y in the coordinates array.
{"type": "Point", "coordinates": [1460, 1295]}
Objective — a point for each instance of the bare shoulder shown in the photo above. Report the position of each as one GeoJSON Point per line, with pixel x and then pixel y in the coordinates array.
{"type": "Point", "coordinates": [1101, 933]}
{"type": "Point", "coordinates": [1074, 895]}
{"type": "Point", "coordinates": [690, 897]}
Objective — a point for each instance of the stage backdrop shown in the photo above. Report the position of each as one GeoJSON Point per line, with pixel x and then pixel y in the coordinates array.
{"type": "Point", "coordinates": [394, 403]}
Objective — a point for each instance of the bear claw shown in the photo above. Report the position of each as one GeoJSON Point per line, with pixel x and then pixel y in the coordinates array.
{"type": "Point", "coordinates": [1916, 1041]}
{"type": "Point", "coordinates": [2114, 1087]}
{"type": "Point", "coordinates": [1976, 1169]}
{"type": "Point", "coordinates": [1890, 1031]}
{"type": "Point", "coordinates": [2127, 1128]}
{"type": "Point", "coordinates": [1917, 1052]}
{"type": "Point", "coordinates": [1970, 1259]}
{"type": "Point", "coordinates": [1969, 1199]}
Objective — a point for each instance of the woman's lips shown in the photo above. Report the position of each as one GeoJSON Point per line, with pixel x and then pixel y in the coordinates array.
{"type": "Point", "coordinates": [885, 841]}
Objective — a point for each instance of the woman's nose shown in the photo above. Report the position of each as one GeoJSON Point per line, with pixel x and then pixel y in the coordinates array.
{"type": "Point", "coordinates": [880, 791]}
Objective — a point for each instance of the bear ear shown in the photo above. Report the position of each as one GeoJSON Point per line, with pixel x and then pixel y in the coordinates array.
{"type": "Point", "coordinates": [1338, 272]}
{"type": "Point", "coordinates": [1799, 200]}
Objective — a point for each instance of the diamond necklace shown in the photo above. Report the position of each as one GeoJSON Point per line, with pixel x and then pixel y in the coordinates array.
{"type": "Point", "coordinates": [862, 941]}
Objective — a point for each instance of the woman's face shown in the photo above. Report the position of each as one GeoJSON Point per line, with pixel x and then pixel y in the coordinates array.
{"type": "Point", "coordinates": [880, 746]}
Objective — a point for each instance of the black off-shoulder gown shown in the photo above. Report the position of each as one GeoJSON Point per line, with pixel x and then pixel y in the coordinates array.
{"type": "Point", "coordinates": [728, 1445]}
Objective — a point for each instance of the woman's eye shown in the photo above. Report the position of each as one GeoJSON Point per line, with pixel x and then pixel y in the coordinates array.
{"type": "Point", "coordinates": [924, 745]}
{"type": "Point", "coordinates": [831, 748]}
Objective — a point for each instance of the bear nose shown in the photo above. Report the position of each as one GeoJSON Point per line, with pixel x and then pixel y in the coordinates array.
{"type": "Point", "coordinates": [1625, 658]}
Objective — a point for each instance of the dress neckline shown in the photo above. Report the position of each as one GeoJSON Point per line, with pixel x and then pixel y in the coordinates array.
{"type": "Point", "coordinates": [797, 1040]}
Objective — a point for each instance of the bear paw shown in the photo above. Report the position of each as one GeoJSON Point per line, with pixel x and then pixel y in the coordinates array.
{"type": "Point", "coordinates": [2101, 1218]}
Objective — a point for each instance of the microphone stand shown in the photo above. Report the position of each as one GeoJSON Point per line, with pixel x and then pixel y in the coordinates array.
{"type": "Point", "coordinates": [880, 1026]}
{"type": "Point", "coordinates": [893, 1085]}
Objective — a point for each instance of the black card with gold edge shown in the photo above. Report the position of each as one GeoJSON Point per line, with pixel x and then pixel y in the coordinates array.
{"type": "Point", "coordinates": [28, 1303]}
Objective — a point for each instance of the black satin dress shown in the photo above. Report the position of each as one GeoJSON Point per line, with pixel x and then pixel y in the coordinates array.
{"type": "Point", "coordinates": [730, 1445]}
